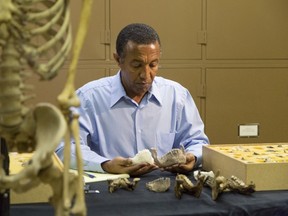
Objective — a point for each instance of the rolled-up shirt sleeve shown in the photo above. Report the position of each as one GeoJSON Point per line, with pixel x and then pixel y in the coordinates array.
{"type": "Point", "coordinates": [190, 129]}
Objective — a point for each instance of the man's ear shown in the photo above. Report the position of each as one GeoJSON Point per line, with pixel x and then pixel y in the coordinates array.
{"type": "Point", "coordinates": [116, 57]}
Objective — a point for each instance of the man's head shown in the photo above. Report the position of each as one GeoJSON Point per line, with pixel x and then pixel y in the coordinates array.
{"type": "Point", "coordinates": [138, 55]}
{"type": "Point", "coordinates": [138, 33]}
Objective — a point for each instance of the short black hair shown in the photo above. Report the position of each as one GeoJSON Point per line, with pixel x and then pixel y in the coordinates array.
{"type": "Point", "coordinates": [138, 33]}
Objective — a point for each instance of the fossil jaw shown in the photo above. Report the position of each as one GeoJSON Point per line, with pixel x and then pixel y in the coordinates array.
{"type": "Point", "coordinates": [175, 156]}
{"type": "Point", "coordinates": [184, 185]}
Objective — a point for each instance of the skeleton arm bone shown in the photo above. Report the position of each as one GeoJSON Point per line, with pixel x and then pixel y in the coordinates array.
{"type": "Point", "coordinates": [78, 206]}
{"type": "Point", "coordinates": [68, 98]}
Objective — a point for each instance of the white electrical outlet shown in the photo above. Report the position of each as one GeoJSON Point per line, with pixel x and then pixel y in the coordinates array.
{"type": "Point", "coordinates": [248, 130]}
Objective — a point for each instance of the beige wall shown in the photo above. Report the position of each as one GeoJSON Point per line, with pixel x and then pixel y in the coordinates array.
{"type": "Point", "coordinates": [231, 55]}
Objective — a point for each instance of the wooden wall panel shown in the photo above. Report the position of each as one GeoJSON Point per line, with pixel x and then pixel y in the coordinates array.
{"type": "Point", "coordinates": [247, 95]}
{"type": "Point", "coordinates": [245, 29]}
{"type": "Point", "coordinates": [177, 24]}
{"type": "Point", "coordinates": [94, 47]}
{"type": "Point", "coordinates": [47, 91]}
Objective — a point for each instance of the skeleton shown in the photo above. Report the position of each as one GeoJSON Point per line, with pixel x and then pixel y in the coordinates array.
{"type": "Point", "coordinates": [29, 31]}
{"type": "Point", "coordinates": [184, 185]}
{"type": "Point", "coordinates": [159, 185]}
{"type": "Point", "coordinates": [220, 184]}
{"type": "Point", "coordinates": [124, 183]}
{"type": "Point", "coordinates": [175, 156]}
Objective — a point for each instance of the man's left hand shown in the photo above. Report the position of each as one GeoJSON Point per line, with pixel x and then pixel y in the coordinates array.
{"type": "Point", "coordinates": [183, 168]}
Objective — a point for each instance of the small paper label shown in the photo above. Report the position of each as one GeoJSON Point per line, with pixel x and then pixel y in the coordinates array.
{"type": "Point", "coordinates": [249, 130]}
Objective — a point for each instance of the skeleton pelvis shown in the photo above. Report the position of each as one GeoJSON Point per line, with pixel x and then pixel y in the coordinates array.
{"type": "Point", "coordinates": [49, 126]}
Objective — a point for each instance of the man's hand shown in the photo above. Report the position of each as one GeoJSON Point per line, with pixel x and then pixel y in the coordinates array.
{"type": "Point", "coordinates": [124, 165]}
{"type": "Point", "coordinates": [183, 168]}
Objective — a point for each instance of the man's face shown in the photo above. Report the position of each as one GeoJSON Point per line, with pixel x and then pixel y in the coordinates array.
{"type": "Point", "coordinates": [138, 68]}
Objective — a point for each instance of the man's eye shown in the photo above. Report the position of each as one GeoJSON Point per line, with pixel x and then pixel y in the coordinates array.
{"type": "Point", "coordinates": [154, 64]}
{"type": "Point", "coordinates": [136, 65]}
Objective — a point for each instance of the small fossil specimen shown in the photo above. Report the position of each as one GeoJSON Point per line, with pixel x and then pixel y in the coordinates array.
{"type": "Point", "coordinates": [124, 183]}
{"type": "Point", "coordinates": [206, 175]}
{"type": "Point", "coordinates": [159, 185]}
{"type": "Point", "coordinates": [184, 185]}
{"type": "Point", "coordinates": [175, 156]}
{"type": "Point", "coordinates": [143, 156]}
{"type": "Point", "coordinates": [220, 184]}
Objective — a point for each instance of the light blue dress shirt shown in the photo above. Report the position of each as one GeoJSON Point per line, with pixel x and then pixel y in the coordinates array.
{"type": "Point", "coordinates": [112, 124]}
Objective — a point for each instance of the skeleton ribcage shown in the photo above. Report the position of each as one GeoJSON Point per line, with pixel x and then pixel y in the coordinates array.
{"type": "Point", "coordinates": [34, 35]}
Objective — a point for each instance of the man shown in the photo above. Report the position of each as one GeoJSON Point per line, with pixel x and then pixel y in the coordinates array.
{"type": "Point", "coordinates": [135, 110]}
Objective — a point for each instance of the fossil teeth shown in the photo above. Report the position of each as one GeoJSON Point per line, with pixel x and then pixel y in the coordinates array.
{"type": "Point", "coordinates": [175, 156]}
{"type": "Point", "coordinates": [184, 185]}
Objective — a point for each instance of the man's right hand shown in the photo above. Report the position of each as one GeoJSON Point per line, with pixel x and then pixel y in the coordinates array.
{"type": "Point", "coordinates": [124, 165]}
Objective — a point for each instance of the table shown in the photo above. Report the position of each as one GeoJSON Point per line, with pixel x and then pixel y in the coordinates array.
{"type": "Point", "coordinates": [142, 202]}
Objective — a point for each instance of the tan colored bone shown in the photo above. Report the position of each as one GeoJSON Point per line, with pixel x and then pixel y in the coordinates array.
{"type": "Point", "coordinates": [49, 123]}
{"type": "Point", "coordinates": [67, 99]}
{"type": "Point", "coordinates": [159, 185]}
{"type": "Point", "coordinates": [220, 184]}
{"type": "Point", "coordinates": [123, 183]}
{"type": "Point", "coordinates": [184, 185]}
{"type": "Point", "coordinates": [175, 156]}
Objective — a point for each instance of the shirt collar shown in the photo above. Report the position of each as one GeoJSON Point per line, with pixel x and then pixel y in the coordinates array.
{"type": "Point", "coordinates": [118, 91]}
{"type": "Point", "coordinates": [154, 92]}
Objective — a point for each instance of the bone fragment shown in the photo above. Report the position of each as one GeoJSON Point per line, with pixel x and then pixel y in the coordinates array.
{"type": "Point", "coordinates": [143, 156]}
{"type": "Point", "coordinates": [175, 156]}
{"type": "Point", "coordinates": [159, 185]}
{"type": "Point", "coordinates": [123, 183]}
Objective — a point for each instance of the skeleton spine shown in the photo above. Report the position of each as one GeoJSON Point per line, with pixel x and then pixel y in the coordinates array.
{"type": "Point", "coordinates": [10, 92]}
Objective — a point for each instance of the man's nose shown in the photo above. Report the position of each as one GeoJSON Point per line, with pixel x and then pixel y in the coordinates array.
{"type": "Point", "coordinates": [145, 72]}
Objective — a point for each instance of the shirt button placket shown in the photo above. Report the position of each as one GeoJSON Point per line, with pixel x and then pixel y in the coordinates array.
{"type": "Point", "coordinates": [138, 128]}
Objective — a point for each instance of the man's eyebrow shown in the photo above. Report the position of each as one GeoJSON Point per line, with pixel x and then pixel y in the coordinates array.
{"type": "Point", "coordinates": [140, 61]}
{"type": "Point", "coordinates": [136, 61]}
{"type": "Point", "coordinates": [155, 60]}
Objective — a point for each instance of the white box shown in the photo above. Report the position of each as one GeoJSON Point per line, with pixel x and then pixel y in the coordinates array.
{"type": "Point", "coordinates": [260, 165]}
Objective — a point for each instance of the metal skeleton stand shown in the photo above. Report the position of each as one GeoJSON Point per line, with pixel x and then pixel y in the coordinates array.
{"type": "Point", "coordinates": [4, 197]}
